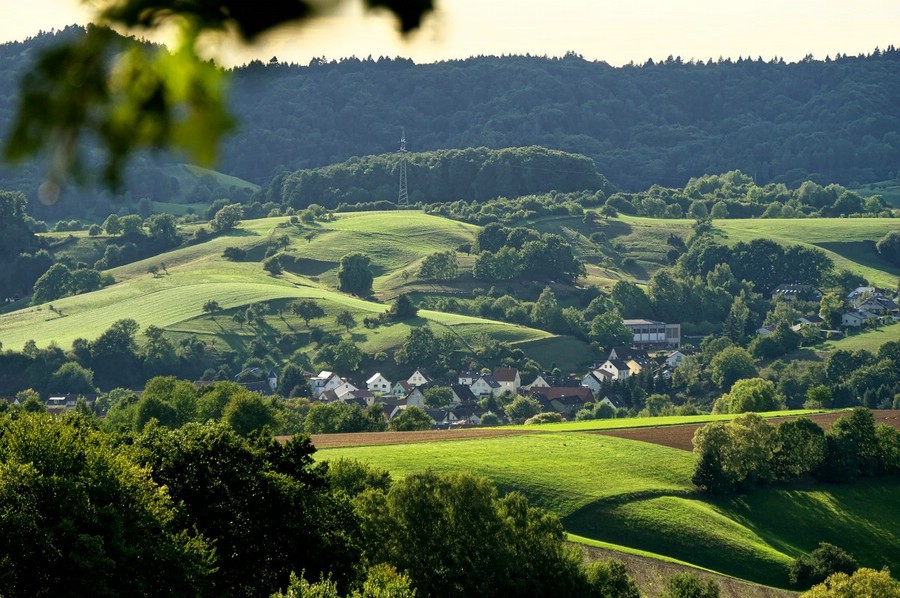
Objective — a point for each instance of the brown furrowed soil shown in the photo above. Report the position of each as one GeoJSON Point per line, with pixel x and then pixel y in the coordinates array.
{"type": "Point", "coordinates": [679, 437]}
{"type": "Point", "coordinates": [323, 441]}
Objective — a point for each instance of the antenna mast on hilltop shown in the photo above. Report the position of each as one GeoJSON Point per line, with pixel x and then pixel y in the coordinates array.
{"type": "Point", "coordinates": [403, 198]}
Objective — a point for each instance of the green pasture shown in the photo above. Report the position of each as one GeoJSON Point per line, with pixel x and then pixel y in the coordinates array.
{"type": "Point", "coordinates": [850, 242]}
{"type": "Point", "coordinates": [889, 191]}
{"type": "Point", "coordinates": [614, 492]}
{"type": "Point", "coordinates": [870, 340]}
{"type": "Point", "coordinates": [190, 276]}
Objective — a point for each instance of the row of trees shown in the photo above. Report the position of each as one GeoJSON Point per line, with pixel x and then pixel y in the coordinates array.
{"type": "Point", "coordinates": [736, 195]}
{"type": "Point", "coordinates": [749, 452]}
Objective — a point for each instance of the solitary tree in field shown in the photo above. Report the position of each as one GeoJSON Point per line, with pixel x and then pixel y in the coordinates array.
{"type": "Point", "coordinates": [355, 274]}
{"type": "Point", "coordinates": [307, 310]}
{"type": "Point", "coordinates": [345, 319]}
{"type": "Point", "coordinates": [239, 318]}
{"type": "Point", "coordinates": [212, 307]}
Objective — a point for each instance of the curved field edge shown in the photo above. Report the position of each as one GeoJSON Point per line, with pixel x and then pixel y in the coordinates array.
{"type": "Point", "coordinates": [847, 241]}
{"type": "Point", "coordinates": [639, 495]}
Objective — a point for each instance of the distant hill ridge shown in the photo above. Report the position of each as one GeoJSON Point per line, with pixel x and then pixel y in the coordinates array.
{"type": "Point", "coordinates": [474, 174]}
{"type": "Point", "coordinates": [835, 120]}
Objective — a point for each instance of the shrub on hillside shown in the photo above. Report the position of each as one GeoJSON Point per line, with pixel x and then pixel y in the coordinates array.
{"type": "Point", "coordinates": [690, 585]}
{"type": "Point", "coordinates": [821, 563]}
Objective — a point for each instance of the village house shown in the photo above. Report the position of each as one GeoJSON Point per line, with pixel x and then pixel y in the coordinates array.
{"type": "Point", "coordinates": [401, 388]}
{"type": "Point", "coordinates": [469, 412]}
{"type": "Point", "coordinates": [613, 401]}
{"type": "Point", "coordinates": [877, 304]}
{"type": "Point", "coordinates": [674, 359]}
{"type": "Point", "coordinates": [378, 383]}
{"type": "Point", "coordinates": [595, 379]}
{"type": "Point", "coordinates": [485, 386]}
{"type": "Point", "coordinates": [420, 378]}
{"type": "Point", "coordinates": [363, 397]}
{"type": "Point", "coordinates": [324, 381]}
{"type": "Point", "coordinates": [508, 379]}
{"type": "Point", "coordinates": [856, 319]}
{"type": "Point", "coordinates": [343, 388]}
{"type": "Point", "coordinates": [617, 368]}
{"type": "Point", "coordinates": [468, 378]}
{"type": "Point", "coordinates": [415, 397]}
{"type": "Point", "coordinates": [566, 401]}
{"type": "Point", "coordinates": [541, 381]}
{"type": "Point", "coordinates": [796, 292]}
{"type": "Point", "coordinates": [462, 394]}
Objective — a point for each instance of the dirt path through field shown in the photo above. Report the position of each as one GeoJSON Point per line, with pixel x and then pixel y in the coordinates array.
{"type": "Point", "coordinates": [679, 437]}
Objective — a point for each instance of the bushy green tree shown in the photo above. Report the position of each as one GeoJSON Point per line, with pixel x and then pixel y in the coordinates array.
{"type": "Point", "coordinates": [826, 560]}
{"type": "Point", "coordinates": [227, 218]}
{"type": "Point", "coordinates": [114, 534]}
{"type": "Point", "coordinates": [522, 408]}
{"type": "Point", "coordinates": [864, 583]}
{"type": "Point", "coordinates": [609, 579]}
{"type": "Point", "coordinates": [411, 419]}
{"type": "Point", "coordinates": [249, 413]}
{"type": "Point", "coordinates": [735, 455]}
{"type": "Point", "coordinates": [730, 365]}
{"type": "Point", "coordinates": [262, 504]}
{"type": "Point", "coordinates": [355, 274]}
{"type": "Point", "coordinates": [748, 394]}
{"type": "Point", "coordinates": [506, 547]}
{"type": "Point", "coordinates": [801, 449]}
{"type": "Point", "coordinates": [439, 266]}
{"type": "Point", "coordinates": [307, 310]}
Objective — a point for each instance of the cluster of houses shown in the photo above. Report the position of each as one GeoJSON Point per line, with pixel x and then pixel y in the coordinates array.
{"type": "Point", "coordinates": [867, 306]}
{"type": "Point", "coordinates": [565, 396]}
{"type": "Point", "coordinates": [870, 305]}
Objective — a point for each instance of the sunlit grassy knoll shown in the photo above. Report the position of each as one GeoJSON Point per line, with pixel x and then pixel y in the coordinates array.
{"type": "Point", "coordinates": [870, 340]}
{"type": "Point", "coordinates": [848, 241]}
{"type": "Point", "coordinates": [754, 536]}
{"type": "Point", "coordinates": [561, 472]}
{"type": "Point", "coordinates": [621, 493]}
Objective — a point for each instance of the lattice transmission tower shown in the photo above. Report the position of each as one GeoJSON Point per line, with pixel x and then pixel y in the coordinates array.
{"type": "Point", "coordinates": [403, 197]}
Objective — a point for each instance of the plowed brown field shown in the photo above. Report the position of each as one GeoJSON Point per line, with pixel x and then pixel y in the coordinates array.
{"type": "Point", "coordinates": [679, 437]}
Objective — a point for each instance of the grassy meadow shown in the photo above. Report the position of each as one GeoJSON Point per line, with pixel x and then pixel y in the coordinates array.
{"type": "Point", "coordinates": [190, 276]}
{"type": "Point", "coordinates": [614, 492]}
{"type": "Point", "coordinates": [870, 340]}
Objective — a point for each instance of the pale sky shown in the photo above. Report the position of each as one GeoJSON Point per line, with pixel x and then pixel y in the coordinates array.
{"type": "Point", "coordinates": [614, 31]}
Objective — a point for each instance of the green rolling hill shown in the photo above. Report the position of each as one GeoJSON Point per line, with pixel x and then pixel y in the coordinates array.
{"type": "Point", "coordinates": [638, 496]}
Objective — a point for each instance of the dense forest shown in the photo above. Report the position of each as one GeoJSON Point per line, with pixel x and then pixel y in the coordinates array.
{"type": "Point", "coordinates": [470, 174]}
{"type": "Point", "coordinates": [656, 123]}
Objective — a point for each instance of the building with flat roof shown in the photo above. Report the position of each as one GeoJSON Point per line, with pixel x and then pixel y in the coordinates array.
{"type": "Point", "coordinates": [650, 333]}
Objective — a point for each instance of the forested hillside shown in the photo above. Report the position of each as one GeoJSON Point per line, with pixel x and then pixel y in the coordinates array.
{"type": "Point", "coordinates": [832, 121]}
{"type": "Point", "coordinates": [656, 123]}
{"type": "Point", "coordinates": [474, 174]}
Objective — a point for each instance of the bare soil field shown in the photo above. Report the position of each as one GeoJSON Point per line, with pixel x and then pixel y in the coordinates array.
{"type": "Point", "coordinates": [324, 441]}
{"type": "Point", "coordinates": [679, 437]}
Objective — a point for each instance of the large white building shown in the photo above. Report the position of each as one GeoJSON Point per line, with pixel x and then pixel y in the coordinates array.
{"type": "Point", "coordinates": [649, 333]}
